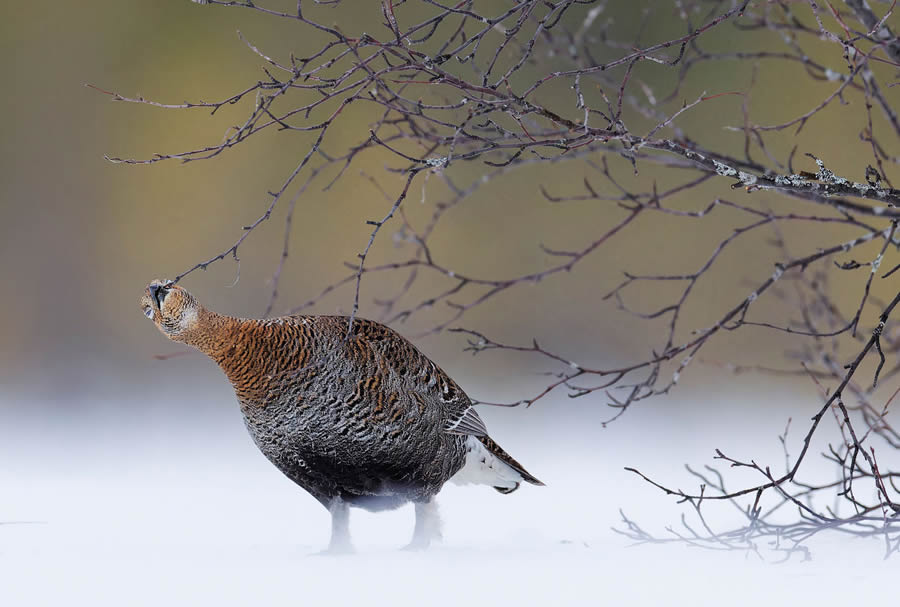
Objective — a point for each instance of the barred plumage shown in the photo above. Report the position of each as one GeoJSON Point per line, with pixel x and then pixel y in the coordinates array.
{"type": "Point", "coordinates": [362, 420]}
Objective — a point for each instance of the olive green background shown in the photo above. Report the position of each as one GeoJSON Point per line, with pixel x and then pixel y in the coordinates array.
{"type": "Point", "coordinates": [80, 237]}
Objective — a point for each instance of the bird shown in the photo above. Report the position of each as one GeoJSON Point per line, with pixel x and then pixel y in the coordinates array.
{"type": "Point", "coordinates": [346, 408]}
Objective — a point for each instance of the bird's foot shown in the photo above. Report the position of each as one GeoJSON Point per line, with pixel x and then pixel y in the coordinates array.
{"type": "Point", "coordinates": [428, 526]}
{"type": "Point", "coordinates": [341, 549]}
{"type": "Point", "coordinates": [423, 541]}
{"type": "Point", "coordinates": [417, 545]}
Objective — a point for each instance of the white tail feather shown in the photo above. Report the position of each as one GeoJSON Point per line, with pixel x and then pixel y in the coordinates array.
{"type": "Point", "coordinates": [484, 468]}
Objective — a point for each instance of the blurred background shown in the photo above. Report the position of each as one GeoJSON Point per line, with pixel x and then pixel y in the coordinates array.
{"type": "Point", "coordinates": [81, 237]}
{"type": "Point", "coordinates": [81, 392]}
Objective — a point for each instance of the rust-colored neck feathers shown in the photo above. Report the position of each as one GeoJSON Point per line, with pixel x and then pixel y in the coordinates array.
{"type": "Point", "coordinates": [255, 354]}
{"type": "Point", "coordinates": [209, 332]}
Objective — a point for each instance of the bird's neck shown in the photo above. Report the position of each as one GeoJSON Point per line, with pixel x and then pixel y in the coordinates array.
{"type": "Point", "coordinates": [213, 334]}
{"type": "Point", "coordinates": [237, 345]}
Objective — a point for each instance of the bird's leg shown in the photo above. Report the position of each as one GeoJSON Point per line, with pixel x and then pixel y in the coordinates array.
{"type": "Point", "coordinates": [428, 525]}
{"type": "Point", "coordinates": [340, 527]}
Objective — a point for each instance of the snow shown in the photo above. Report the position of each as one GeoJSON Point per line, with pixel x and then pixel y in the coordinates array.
{"type": "Point", "coordinates": [139, 506]}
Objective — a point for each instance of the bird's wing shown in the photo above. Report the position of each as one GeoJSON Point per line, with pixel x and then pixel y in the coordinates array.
{"type": "Point", "coordinates": [468, 423]}
{"type": "Point", "coordinates": [421, 376]}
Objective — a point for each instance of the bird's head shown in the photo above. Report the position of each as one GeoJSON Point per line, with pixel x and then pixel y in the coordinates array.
{"type": "Point", "coordinates": [172, 309]}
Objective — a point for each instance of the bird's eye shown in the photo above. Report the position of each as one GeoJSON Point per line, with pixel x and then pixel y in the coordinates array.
{"type": "Point", "coordinates": [148, 312]}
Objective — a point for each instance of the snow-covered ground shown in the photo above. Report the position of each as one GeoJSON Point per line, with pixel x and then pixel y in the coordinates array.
{"type": "Point", "coordinates": [139, 506]}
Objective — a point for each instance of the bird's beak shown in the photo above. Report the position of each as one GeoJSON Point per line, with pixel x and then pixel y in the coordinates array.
{"type": "Point", "coordinates": [158, 294]}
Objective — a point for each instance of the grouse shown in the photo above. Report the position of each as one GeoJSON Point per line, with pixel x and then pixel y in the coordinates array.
{"type": "Point", "coordinates": [356, 418]}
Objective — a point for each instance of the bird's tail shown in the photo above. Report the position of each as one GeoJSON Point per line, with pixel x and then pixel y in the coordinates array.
{"type": "Point", "coordinates": [488, 464]}
{"type": "Point", "coordinates": [508, 460]}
